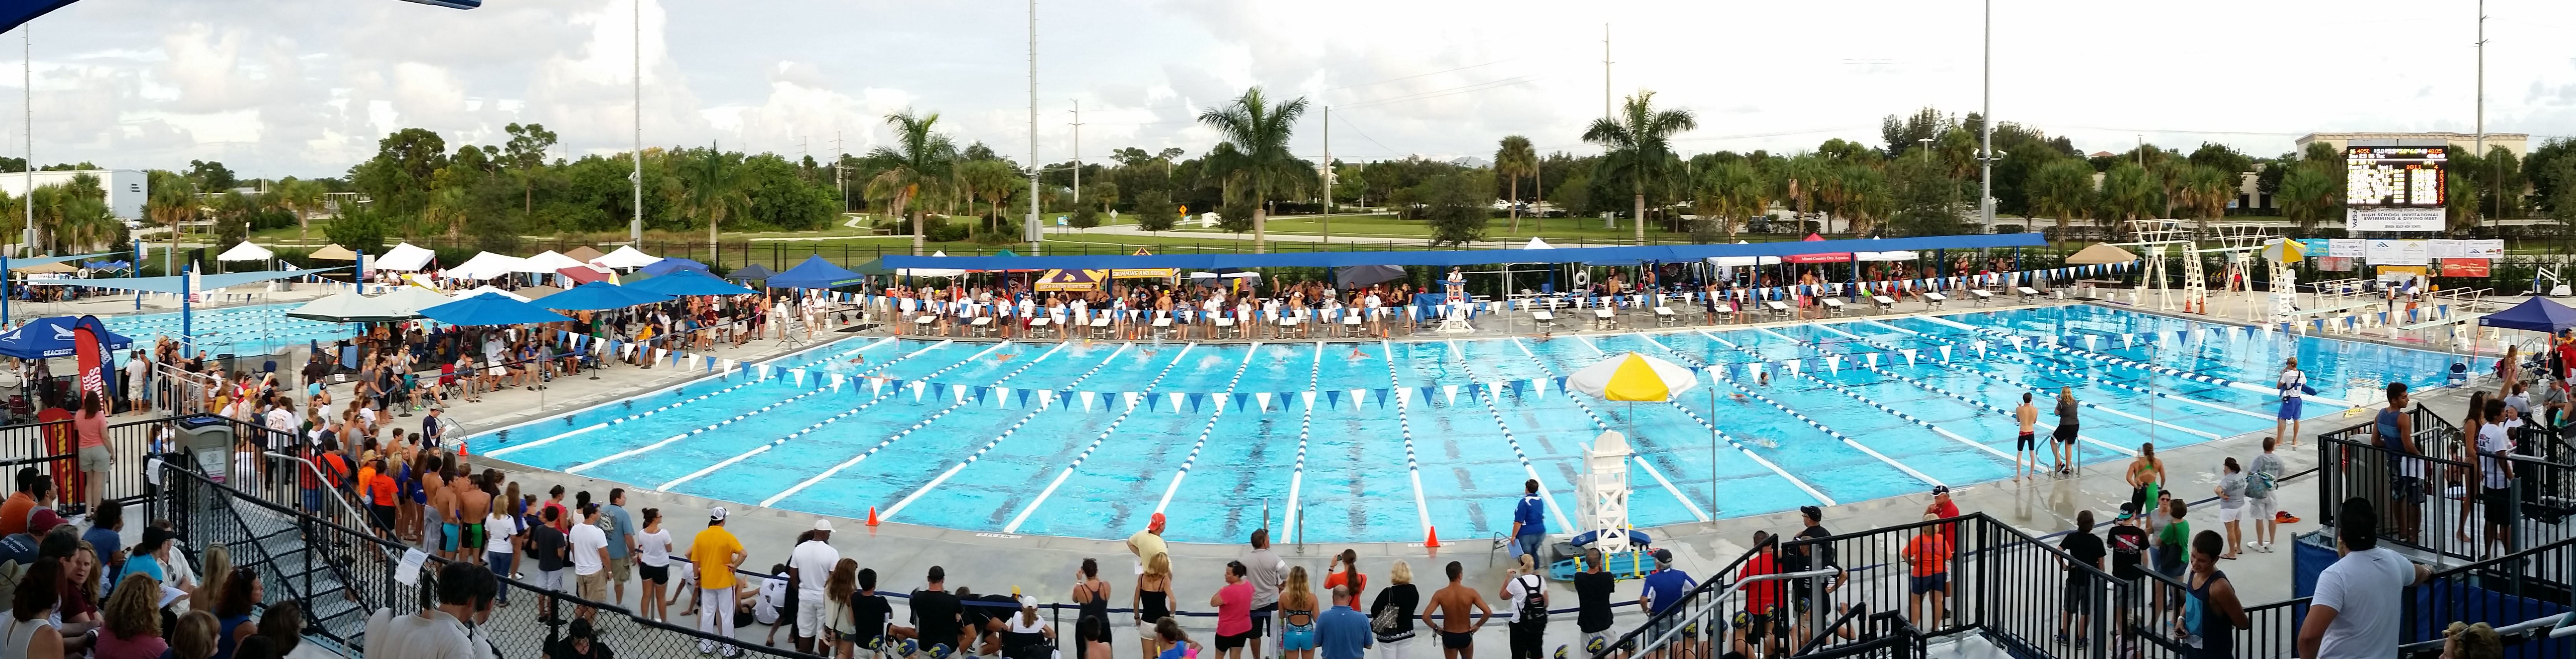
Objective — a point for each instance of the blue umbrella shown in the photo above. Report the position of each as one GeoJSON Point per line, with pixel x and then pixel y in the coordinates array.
{"type": "Point", "coordinates": [687, 282]}
{"type": "Point", "coordinates": [596, 296]}
{"type": "Point", "coordinates": [815, 273]}
{"type": "Point", "coordinates": [491, 309]}
{"type": "Point", "coordinates": [670, 265]}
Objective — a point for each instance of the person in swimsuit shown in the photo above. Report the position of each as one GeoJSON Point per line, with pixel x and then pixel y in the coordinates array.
{"type": "Point", "coordinates": [1452, 603]}
{"type": "Point", "coordinates": [2026, 447]}
{"type": "Point", "coordinates": [1152, 600]}
{"type": "Point", "coordinates": [443, 511]}
{"type": "Point", "coordinates": [474, 506]}
{"type": "Point", "coordinates": [2064, 449]}
{"type": "Point", "coordinates": [2146, 476]}
{"type": "Point", "coordinates": [1297, 607]}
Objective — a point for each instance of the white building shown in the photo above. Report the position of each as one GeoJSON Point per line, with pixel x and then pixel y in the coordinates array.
{"type": "Point", "coordinates": [126, 188]}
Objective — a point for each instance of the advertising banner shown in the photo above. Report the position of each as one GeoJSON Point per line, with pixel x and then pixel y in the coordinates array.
{"type": "Point", "coordinates": [2464, 267]}
{"type": "Point", "coordinates": [2350, 248]}
{"type": "Point", "coordinates": [2393, 219]}
{"type": "Point", "coordinates": [2389, 251]}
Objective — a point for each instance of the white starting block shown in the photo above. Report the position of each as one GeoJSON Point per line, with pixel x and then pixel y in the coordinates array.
{"type": "Point", "coordinates": [1287, 324]}
{"type": "Point", "coordinates": [1163, 328]}
{"type": "Point", "coordinates": [1778, 309]}
{"type": "Point", "coordinates": [981, 325]}
{"type": "Point", "coordinates": [1225, 328]}
{"type": "Point", "coordinates": [1983, 296]}
{"type": "Point", "coordinates": [1885, 303]}
{"type": "Point", "coordinates": [1350, 324]}
{"type": "Point", "coordinates": [1833, 305]}
{"type": "Point", "coordinates": [1100, 328]}
{"type": "Point", "coordinates": [1604, 318]}
{"type": "Point", "coordinates": [1040, 324]}
{"type": "Point", "coordinates": [1935, 300]}
{"type": "Point", "coordinates": [2027, 293]}
{"type": "Point", "coordinates": [1543, 317]}
{"type": "Point", "coordinates": [1664, 316]}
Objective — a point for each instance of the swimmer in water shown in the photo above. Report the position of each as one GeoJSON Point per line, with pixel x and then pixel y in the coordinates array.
{"type": "Point", "coordinates": [1767, 442]}
{"type": "Point", "coordinates": [1005, 358]}
{"type": "Point", "coordinates": [861, 359]}
{"type": "Point", "coordinates": [1739, 398]}
{"type": "Point", "coordinates": [1763, 378]}
{"type": "Point", "coordinates": [1357, 355]}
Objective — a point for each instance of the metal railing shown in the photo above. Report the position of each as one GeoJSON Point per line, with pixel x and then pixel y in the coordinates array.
{"type": "Point", "coordinates": [2449, 511]}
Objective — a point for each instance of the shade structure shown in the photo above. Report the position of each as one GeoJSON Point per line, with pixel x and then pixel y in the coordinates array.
{"type": "Point", "coordinates": [585, 273]}
{"type": "Point", "coordinates": [661, 267]}
{"type": "Point", "coordinates": [597, 296]}
{"type": "Point", "coordinates": [2284, 250]}
{"type": "Point", "coordinates": [491, 309]}
{"type": "Point", "coordinates": [246, 252]}
{"type": "Point", "coordinates": [625, 257]}
{"type": "Point", "coordinates": [816, 273]}
{"type": "Point", "coordinates": [753, 272]}
{"type": "Point", "coordinates": [485, 265]}
{"type": "Point", "coordinates": [1632, 377]}
{"type": "Point", "coordinates": [107, 265]}
{"type": "Point", "coordinates": [1830, 257]}
{"type": "Point", "coordinates": [404, 257]}
{"type": "Point", "coordinates": [350, 307]}
{"type": "Point", "coordinates": [479, 290]}
{"type": "Point", "coordinates": [1458, 257]}
{"type": "Point", "coordinates": [688, 282]}
{"type": "Point", "coordinates": [584, 254]}
{"type": "Point", "coordinates": [1363, 275]}
{"type": "Point", "coordinates": [46, 268]}
{"type": "Point", "coordinates": [2100, 254]}
{"type": "Point", "coordinates": [334, 253]}
{"type": "Point", "coordinates": [52, 337]}
{"type": "Point", "coordinates": [546, 263]}
{"type": "Point", "coordinates": [1884, 256]}
{"type": "Point", "coordinates": [1072, 280]}
{"type": "Point", "coordinates": [1536, 243]}
{"type": "Point", "coordinates": [412, 299]}
{"type": "Point", "coordinates": [2537, 314]}
{"type": "Point", "coordinates": [875, 266]}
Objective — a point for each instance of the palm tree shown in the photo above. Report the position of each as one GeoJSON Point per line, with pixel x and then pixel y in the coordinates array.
{"type": "Point", "coordinates": [1866, 196]}
{"type": "Point", "coordinates": [2207, 190]}
{"type": "Point", "coordinates": [919, 162]}
{"type": "Point", "coordinates": [715, 190]}
{"type": "Point", "coordinates": [173, 202]}
{"type": "Point", "coordinates": [1640, 148]}
{"type": "Point", "coordinates": [1259, 133]}
{"type": "Point", "coordinates": [1513, 160]}
{"type": "Point", "coordinates": [1730, 190]}
{"type": "Point", "coordinates": [299, 197]}
{"type": "Point", "coordinates": [2307, 195]}
{"type": "Point", "coordinates": [1796, 183]}
{"type": "Point", "coordinates": [2130, 193]}
{"type": "Point", "coordinates": [991, 182]}
{"type": "Point", "coordinates": [2062, 189]}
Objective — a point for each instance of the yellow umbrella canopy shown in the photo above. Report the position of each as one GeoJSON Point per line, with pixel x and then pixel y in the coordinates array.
{"type": "Point", "coordinates": [2100, 254]}
{"type": "Point", "coordinates": [1632, 377]}
{"type": "Point", "coordinates": [333, 253]}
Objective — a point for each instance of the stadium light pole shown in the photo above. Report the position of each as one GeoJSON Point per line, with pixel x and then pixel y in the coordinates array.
{"type": "Point", "coordinates": [635, 226]}
{"type": "Point", "coordinates": [1032, 230]}
{"type": "Point", "coordinates": [1986, 132]}
{"type": "Point", "coordinates": [2482, 101]}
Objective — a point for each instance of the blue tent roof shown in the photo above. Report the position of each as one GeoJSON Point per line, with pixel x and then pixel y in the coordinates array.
{"type": "Point", "coordinates": [1602, 255]}
{"type": "Point", "coordinates": [491, 309]}
{"type": "Point", "coordinates": [687, 282]}
{"type": "Point", "coordinates": [2535, 314]}
{"type": "Point", "coordinates": [52, 337]}
{"type": "Point", "coordinates": [598, 295]}
{"type": "Point", "coordinates": [669, 265]}
{"type": "Point", "coordinates": [818, 273]}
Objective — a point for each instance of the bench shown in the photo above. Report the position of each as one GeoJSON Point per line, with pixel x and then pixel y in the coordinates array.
{"type": "Point", "coordinates": [1982, 296]}
{"type": "Point", "coordinates": [1664, 317]}
{"type": "Point", "coordinates": [1100, 328]}
{"type": "Point", "coordinates": [1935, 300]}
{"type": "Point", "coordinates": [1833, 305]}
{"type": "Point", "coordinates": [1885, 303]}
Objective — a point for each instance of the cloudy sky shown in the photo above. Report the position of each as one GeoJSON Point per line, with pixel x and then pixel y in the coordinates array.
{"type": "Point", "coordinates": [305, 87]}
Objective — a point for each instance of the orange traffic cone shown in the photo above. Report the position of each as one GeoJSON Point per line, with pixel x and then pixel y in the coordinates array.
{"type": "Point", "coordinates": [1432, 538]}
{"type": "Point", "coordinates": [872, 515]}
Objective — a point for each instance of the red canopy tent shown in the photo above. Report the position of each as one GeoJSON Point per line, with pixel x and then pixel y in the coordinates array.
{"type": "Point", "coordinates": [583, 274]}
{"type": "Point", "coordinates": [1843, 257]}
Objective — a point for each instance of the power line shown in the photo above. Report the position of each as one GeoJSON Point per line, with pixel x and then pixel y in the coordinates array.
{"type": "Point", "coordinates": [1364, 135]}
{"type": "Point", "coordinates": [1452, 91]}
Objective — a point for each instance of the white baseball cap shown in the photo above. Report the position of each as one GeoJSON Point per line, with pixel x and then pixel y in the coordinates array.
{"type": "Point", "coordinates": [822, 525]}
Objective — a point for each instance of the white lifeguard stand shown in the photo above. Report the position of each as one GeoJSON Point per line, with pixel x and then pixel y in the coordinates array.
{"type": "Point", "coordinates": [1604, 489]}
{"type": "Point", "coordinates": [1454, 320]}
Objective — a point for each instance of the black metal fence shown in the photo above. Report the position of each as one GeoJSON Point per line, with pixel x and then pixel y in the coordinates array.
{"type": "Point", "coordinates": [2436, 500]}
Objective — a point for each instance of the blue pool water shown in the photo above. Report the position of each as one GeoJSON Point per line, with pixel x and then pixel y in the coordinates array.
{"type": "Point", "coordinates": [255, 329]}
{"type": "Point", "coordinates": [1353, 467]}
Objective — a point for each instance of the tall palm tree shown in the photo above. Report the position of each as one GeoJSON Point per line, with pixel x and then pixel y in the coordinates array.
{"type": "Point", "coordinates": [2130, 193]}
{"type": "Point", "coordinates": [1513, 160]}
{"type": "Point", "coordinates": [1866, 196]}
{"type": "Point", "coordinates": [714, 190]}
{"type": "Point", "coordinates": [300, 197]}
{"type": "Point", "coordinates": [172, 203]}
{"type": "Point", "coordinates": [1259, 132]}
{"type": "Point", "coordinates": [1640, 148]}
{"type": "Point", "coordinates": [1730, 190]}
{"type": "Point", "coordinates": [2307, 195]}
{"type": "Point", "coordinates": [1795, 183]}
{"type": "Point", "coordinates": [991, 182]}
{"type": "Point", "coordinates": [2207, 190]}
{"type": "Point", "coordinates": [2062, 189]}
{"type": "Point", "coordinates": [920, 162]}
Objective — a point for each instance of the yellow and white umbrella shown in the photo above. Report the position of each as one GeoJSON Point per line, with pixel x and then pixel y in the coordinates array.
{"type": "Point", "coordinates": [2284, 250]}
{"type": "Point", "coordinates": [1632, 377]}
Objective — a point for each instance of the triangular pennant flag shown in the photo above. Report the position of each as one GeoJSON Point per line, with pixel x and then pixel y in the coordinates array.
{"type": "Point", "coordinates": [2128, 339]}
{"type": "Point", "coordinates": [1380, 395]}
{"type": "Point", "coordinates": [1262, 397]}
{"type": "Point", "coordinates": [1834, 362]}
{"type": "Point", "coordinates": [980, 393]}
{"type": "Point", "coordinates": [1196, 399]}
{"type": "Point", "coordinates": [1560, 385]}
{"type": "Point", "coordinates": [1793, 366]}
{"type": "Point", "coordinates": [836, 382]}
{"type": "Point", "coordinates": [957, 393]}
{"type": "Point", "coordinates": [1424, 393]}
{"type": "Point", "coordinates": [1046, 398]}
{"type": "Point", "coordinates": [660, 353]}
{"type": "Point", "coordinates": [1909, 356]}
{"type": "Point", "coordinates": [1945, 352]}
{"type": "Point", "coordinates": [1517, 387]}
{"type": "Point", "coordinates": [1310, 399]}
{"type": "Point", "coordinates": [1024, 398]}
{"type": "Point", "coordinates": [1132, 398]}
{"type": "Point", "coordinates": [800, 375]}
{"type": "Point", "coordinates": [1175, 399]}
{"type": "Point", "coordinates": [876, 386]}
{"type": "Point", "coordinates": [2088, 341]}
{"type": "Point", "coordinates": [764, 371]}
{"type": "Point", "coordinates": [1870, 357]}
{"type": "Point", "coordinates": [917, 387]}
{"type": "Point", "coordinates": [1980, 344]}
{"type": "Point", "coordinates": [1452, 391]}
{"type": "Point", "coordinates": [1002, 396]}
{"type": "Point", "coordinates": [1087, 398]}
{"type": "Point", "coordinates": [1332, 399]}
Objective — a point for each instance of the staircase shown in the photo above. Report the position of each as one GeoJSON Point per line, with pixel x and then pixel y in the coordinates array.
{"type": "Point", "coordinates": [298, 557]}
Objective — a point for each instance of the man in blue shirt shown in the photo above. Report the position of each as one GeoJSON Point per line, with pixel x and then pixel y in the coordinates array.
{"type": "Point", "coordinates": [620, 529]}
{"type": "Point", "coordinates": [1343, 632]}
{"type": "Point", "coordinates": [1529, 522]}
{"type": "Point", "coordinates": [1663, 590]}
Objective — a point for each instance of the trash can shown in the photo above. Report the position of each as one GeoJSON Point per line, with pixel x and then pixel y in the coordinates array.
{"type": "Point", "coordinates": [210, 439]}
{"type": "Point", "coordinates": [226, 359]}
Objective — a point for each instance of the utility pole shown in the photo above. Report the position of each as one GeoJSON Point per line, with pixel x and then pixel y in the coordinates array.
{"type": "Point", "coordinates": [1328, 175]}
{"type": "Point", "coordinates": [1605, 70]}
{"type": "Point", "coordinates": [635, 227]}
{"type": "Point", "coordinates": [27, 85]}
{"type": "Point", "coordinates": [1077, 154]}
{"type": "Point", "coordinates": [2482, 99]}
{"type": "Point", "coordinates": [1032, 230]}
{"type": "Point", "coordinates": [1986, 134]}
{"type": "Point", "coordinates": [839, 180]}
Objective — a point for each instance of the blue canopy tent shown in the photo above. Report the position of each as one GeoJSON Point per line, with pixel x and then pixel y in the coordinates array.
{"type": "Point", "coordinates": [753, 272]}
{"type": "Point", "coordinates": [52, 337]}
{"type": "Point", "coordinates": [596, 296]}
{"type": "Point", "coordinates": [491, 309]}
{"type": "Point", "coordinates": [670, 265]}
{"type": "Point", "coordinates": [2535, 314]}
{"type": "Point", "coordinates": [687, 282]}
{"type": "Point", "coordinates": [818, 273]}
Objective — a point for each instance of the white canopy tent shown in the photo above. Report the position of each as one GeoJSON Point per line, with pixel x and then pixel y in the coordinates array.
{"type": "Point", "coordinates": [546, 263]}
{"type": "Point", "coordinates": [403, 257]}
{"type": "Point", "coordinates": [487, 288]}
{"type": "Point", "coordinates": [1536, 243]}
{"type": "Point", "coordinates": [412, 298]}
{"type": "Point", "coordinates": [626, 258]}
{"type": "Point", "coordinates": [486, 265]}
{"type": "Point", "coordinates": [246, 252]}
{"type": "Point", "coordinates": [930, 272]}
{"type": "Point", "coordinates": [1884, 256]}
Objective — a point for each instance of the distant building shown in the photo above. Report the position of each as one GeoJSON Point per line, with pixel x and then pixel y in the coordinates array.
{"type": "Point", "coordinates": [126, 188]}
{"type": "Point", "coordinates": [2102, 154]}
{"type": "Point", "coordinates": [1471, 162]}
{"type": "Point", "coordinates": [2518, 143]}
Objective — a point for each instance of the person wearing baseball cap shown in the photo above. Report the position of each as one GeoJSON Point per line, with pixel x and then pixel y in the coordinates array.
{"type": "Point", "coordinates": [1145, 544]}
{"type": "Point", "coordinates": [1662, 592]}
{"type": "Point", "coordinates": [714, 553]}
{"type": "Point", "coordinates": [808, 565]}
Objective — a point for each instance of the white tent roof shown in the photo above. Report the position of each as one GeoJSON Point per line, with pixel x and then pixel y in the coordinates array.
{"type": "Point", "coordinates": [546, 262]}
{"type": "Point", "coordinates": [486, 265]}
{"type": "Point", "coordinates": [930, 272]}
{"type": "Point", "coordinates": [403, 257]}
{"type": "Point", "coordinates": [412, 299]}
{"type": "Point", "coordinates": [246, 252]}
{"type": "Point", "coordinates": [1883, 256]}
{"type": "Point", "coordinates": [487, 288]}
{"type": "Point", "coordinates": [626, 257]}
{"type": "Point", "coordinates": [1535, 243]}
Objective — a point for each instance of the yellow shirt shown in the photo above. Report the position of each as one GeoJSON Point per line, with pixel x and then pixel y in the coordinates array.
{"type": "Point", "coordinates": [712, 552]}
{"type": "Point", "coordinates": [1146, 544]}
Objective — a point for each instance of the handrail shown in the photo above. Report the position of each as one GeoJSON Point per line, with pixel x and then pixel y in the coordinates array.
{"type": "Point", "coordinates": [2548, 626]}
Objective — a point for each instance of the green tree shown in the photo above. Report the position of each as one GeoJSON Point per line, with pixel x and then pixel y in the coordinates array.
{"type": "Point", "coordinates": [1639, 149]}
{"type": "Point", "coordinates": [1924, 198]}
{"type": "Point", "coordinates": [398, 177]}
{"type": "Point", "coordinates": [1727, 191]}
{"type": "Point", "coordinates": [210, 175]}
{"type": "Point", "coordinates": [2462, 200]}
{"type": "Point", "coordinates": [172, 202]}
{"type": "Point", "coordinates": [2061, 190]}
{"type": "Point", "coordinates": [2129, 193]}
{"type": "Point", "coordinates": [2308, 194]}
{"type": "Point", "coordinates": [1259, 132]}
{"type": "Point", "coordinates": [1514, 159]}
{"type": "Point", "coordinates": [919, 162]}
{"type": "Point", "coordinates": [1455, 207]}
{"type": "Point", "coordinates": [2206, 190]}
{"type": "Point", "coordinates": [1154, 211]}
{"type": "Point", "coordinates": [527, 153]}
{"type": "Point", "coordinates": [991, 182]}
{"type": "Point", "coordinates": [300, 197]}
{"type": "Point", "coordinates": [359, 228]}
{"type": "Point", "coordinates": [2224, 158]}
{"type": "Point", "coordinates": [1795, 182]}
{"type": "Point", "coordinates": [713, 190]}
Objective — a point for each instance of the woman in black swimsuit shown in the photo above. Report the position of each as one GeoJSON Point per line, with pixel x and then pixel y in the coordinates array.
{"type": "Point", "coordinates": [1092, 594]}
{"type": "Point", "coordinates": [1152, 601]}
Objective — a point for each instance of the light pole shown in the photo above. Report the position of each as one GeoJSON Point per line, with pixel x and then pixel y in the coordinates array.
{"type": "Point", "coordinates": [1986, 132]}
{"type": "Point", "coordinates": [635, 226]}
{"type": "Point", "coordinates": [1032, 230]}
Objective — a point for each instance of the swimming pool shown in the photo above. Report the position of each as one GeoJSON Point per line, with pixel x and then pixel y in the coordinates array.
{"type": "Point", "coordinates": [254, 329]}
{"type": "Point", "coordinates": [1089, 439]}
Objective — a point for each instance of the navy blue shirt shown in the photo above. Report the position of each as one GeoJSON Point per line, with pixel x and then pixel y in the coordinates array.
{"type": "Point", "coordinates": [1665, 588]}
{"type": "Point", "coordinates": [1342, 633]}
{"type": "Point", "coordinates": [1532, 515]}
{"type": "Point", "coordinates": [107, 542]}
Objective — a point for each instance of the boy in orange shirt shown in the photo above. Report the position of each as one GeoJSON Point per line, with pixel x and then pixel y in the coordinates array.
{"type": "Point", "coordinates": [1928, 554]}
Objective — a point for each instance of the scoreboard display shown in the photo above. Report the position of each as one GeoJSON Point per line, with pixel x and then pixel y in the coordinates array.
{"type": "Point", "coordinates": [2394, 176]}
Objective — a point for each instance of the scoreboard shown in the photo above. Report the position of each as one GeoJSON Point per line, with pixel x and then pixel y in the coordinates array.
{"type": "Point", "coordinates": [2394, 176]}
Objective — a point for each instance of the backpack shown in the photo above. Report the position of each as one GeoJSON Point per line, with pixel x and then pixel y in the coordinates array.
{"type": "Point", "coordinates": [1533, 599]}
{"type": "Point", "coordinates": [2259, 484]}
